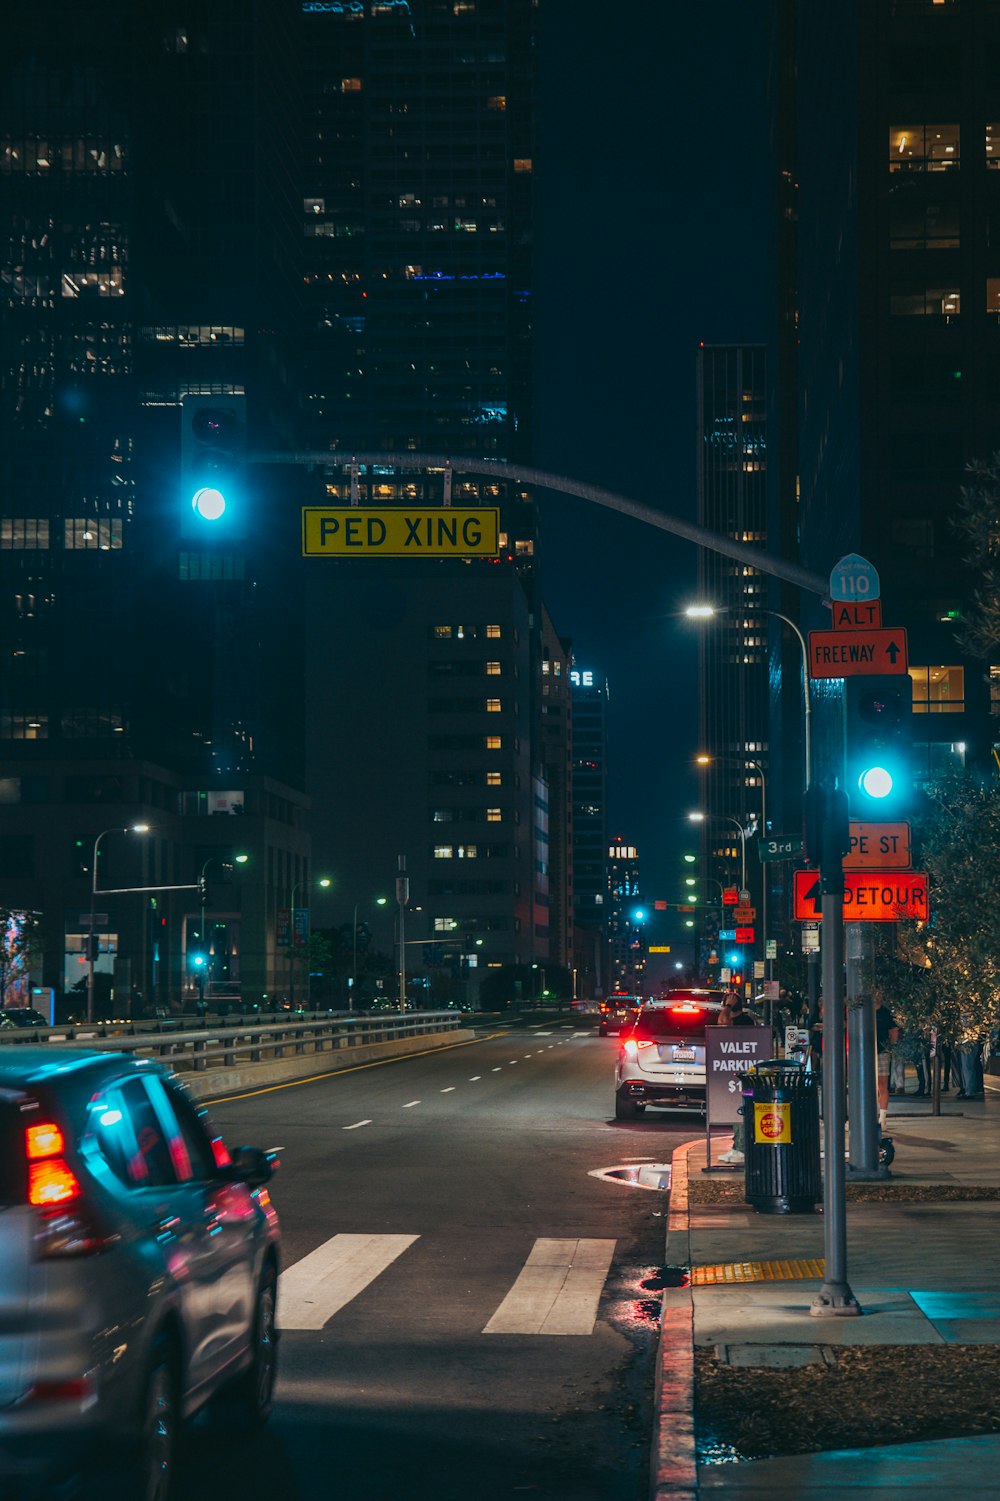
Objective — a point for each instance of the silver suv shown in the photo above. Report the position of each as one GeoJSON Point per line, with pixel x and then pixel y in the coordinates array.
{"type": "Point", "coordinates": [139, 1274]}
{"type": "Point", "coordinates": [661, 1058]}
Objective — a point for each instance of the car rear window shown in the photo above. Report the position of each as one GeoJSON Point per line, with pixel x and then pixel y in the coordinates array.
{"type": "Point", "coordinates": [686, 1019]}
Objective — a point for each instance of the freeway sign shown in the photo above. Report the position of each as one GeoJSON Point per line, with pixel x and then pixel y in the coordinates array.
{"type": "Point", "coordinates": [727, 935]}
{"type": "Point", "coordinates": [780, 847]}
{"type": "Point", "coordinates": [848, 654]}
{"type": "Point", "coordinates": [879, 846]}
{"type": "Point", "coordinates": [400, 532]}
{"type": "Point", "coordinates": [886, 896]}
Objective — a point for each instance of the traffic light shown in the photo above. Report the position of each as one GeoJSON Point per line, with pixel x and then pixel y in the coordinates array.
{"type": "Point", "coordinates": [826, 824]}
{"type": "Point", "coordinates": [213, 459]}
{"type": "Point", "coordinates": [878, 744]}
{"type": "Point", "coordinates": [202, 889]}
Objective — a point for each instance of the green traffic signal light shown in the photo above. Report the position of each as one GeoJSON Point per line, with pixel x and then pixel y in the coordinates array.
{"type": "Point", "coordinates": [878, 736]}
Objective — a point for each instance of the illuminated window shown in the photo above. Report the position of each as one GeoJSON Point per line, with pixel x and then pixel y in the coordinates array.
{"type": "Point", "coordinates": [443, 852]}
{"type": "Point", "coordinates": [524, 549]}
{"type": "Point", "coordinates": [924, 148]}
{"type": "Point", "coordinates": [441, 815]}
{"type": "Point", "coordinates": [23, 534]}
{"type": "Point", "coordinates": [443, 632]}
{"type": "Point", "coordinates": [467, 851]}
{"type": "Point", "coordinates": [493, 669]}
{"type": "Point", "coordinates": [497, 101]}
{"type": "Point", "coordinates": [493, 706]}
{"type": "Point", "coordinates": [492, 742]}
{"type": "Point", "coordinates": [944, 302]}
{"type": "Point", "coordinates": [350, 85]}
{"type": "Point", "coordinates": [993, 292]}
{"type": "Point", "coordinates": [104, 536]}
{"type": "Point", "coordinates": [494, 815]}
{"type": "Point", "coordinates": [938, 690]}
{"type": "Point", "coordinates": [494, 778]}
{"type": "Point", "coordinates": [106, 283]}
{"type": "Point", "coordinates": [445, 924]}
{"type": "Point", "coordinates": [522, 164]}
{"type": "Point", "coordinates": [24, 727]}
{"type": "Point", "coordinates": [493, 632]}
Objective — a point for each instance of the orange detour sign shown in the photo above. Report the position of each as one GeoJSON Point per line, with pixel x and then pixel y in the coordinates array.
{"type": "Point", "coordinates": [772, 1123]}
{"type": "Point", "coordinates": [882, 896]}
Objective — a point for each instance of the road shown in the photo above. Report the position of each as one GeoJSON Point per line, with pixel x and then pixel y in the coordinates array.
{"type": "Point", "coordinates": [434, 1345]}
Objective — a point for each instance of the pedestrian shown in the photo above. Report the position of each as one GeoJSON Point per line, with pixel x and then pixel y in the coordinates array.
{"type": "Point", "coordinates": [739, 1016]}
{"type": "Point", "coordinates": [886, 1037]}
{"type": "Point", "coordinates": [724, 1018]}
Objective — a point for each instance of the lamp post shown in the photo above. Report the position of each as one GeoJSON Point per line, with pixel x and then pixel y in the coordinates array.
{"type": "Point", "coordinates": [707, 612]}
{"type": "Point", "coordinates": [136, 828]}
{"type": "Point", "coordinates": [743, 762]}
{"type": "Point", "coordinates": [724, 818]}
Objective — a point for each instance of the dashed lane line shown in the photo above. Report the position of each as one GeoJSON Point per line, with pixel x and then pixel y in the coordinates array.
{"type": "Point", "coordinates": [356, 1125]}
{"type": "Point", "coordinates": [410, 1104]}
{"type": "Point", "coordinates": [449, 1090]}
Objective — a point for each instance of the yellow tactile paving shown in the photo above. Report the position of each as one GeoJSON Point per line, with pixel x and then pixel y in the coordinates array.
{"type": "Point", "coordinates": [726, 1272]}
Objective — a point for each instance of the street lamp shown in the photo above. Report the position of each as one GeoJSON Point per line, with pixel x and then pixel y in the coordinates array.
{"type": "Point", "coordinates": [204, 969]}
{"type": "Point", "coordinates": [136, 828]}
{"type": "Point", "coordinates": [724, 818]}
{"type": "Point", "coordinates": [707, 612]}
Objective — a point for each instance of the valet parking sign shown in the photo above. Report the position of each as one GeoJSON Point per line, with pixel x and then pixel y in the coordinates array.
{"type": "Point", "coordinates": [729, 1052]}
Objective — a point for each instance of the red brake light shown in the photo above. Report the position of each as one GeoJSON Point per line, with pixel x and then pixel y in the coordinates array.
{"type": "Point", "coordinates": [52, 1182]}
{"type": "Point", "coordinates": [220, 1152]}
{"type": "Point", "coordinates": [43, 1140]}
{"type": "Point", "coordinates": [631, 1047]}
{"type": "Point", "coordinates": [688, 1008]}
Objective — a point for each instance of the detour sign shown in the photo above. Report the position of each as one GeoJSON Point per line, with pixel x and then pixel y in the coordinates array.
{"type": "Point", "coordinates": [400, 532]}
{"type": "Point", "coordinates": [772, 1123]}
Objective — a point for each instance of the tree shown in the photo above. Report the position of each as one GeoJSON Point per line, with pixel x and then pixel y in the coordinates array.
{"type": "Point", "coordinates": [977, 521]}
{"type": "Point", "coordinates": [945, 972]}
{"type": "Point", "coordinates": [20, 947]}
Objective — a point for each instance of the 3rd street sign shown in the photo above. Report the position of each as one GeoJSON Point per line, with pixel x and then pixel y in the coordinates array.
{"type": "Point", "coordinates": [848, 654]}
{"type": "Point", "coordinates": [882, 896]}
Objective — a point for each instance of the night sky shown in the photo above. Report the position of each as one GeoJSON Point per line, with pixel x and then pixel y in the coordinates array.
{"type": "Point", "coordinates": [654, 234]}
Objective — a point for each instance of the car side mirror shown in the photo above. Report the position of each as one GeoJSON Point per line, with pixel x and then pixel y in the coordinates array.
{"type": "Point", "coordinates": [252, 1166]}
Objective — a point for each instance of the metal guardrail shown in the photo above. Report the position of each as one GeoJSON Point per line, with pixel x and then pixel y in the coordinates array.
{"type": "Point", "coordinates": [239, 1040]}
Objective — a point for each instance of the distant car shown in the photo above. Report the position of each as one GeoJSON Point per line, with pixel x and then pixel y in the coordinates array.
{"type": "Point", "coordinates": [22, 1016]}
{"type": "Point", "coordinates": [661, 1058]}
{"type": "Point", "coordinates": [140, 1267]}
{"type": "Point", "coordinates": [618, 1011]}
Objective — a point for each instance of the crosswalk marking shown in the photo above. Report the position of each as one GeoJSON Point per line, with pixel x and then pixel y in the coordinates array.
{"type": "Point", "coordinates": [558, 1289]}
{"type": "Point", "coordinates": [312, 1291]}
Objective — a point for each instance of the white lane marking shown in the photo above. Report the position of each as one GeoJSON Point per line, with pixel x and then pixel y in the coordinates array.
{"type": "Point", "coordinates": [498, 1068]}
{"type": "Point", "coordinates": [410, 1104]}
{"type": "Point", "coordinates": [511, 1060]}
{"type": "Point", "coordinates": [558, 1289]}
{"type": "Point", "coordinates": [315, 1288]}
{"type": "Point", "coordinates": [543, 1034]}
{"type": "Point", "coordinates": [356, 1125]}
{"type": "Point", "coordinates": [474, 1077]}
{"type": "Point", "coordinates": [448, 1090]}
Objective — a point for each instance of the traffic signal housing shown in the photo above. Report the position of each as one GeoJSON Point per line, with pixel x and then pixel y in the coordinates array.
{"type": "Point", "coordinates": [213, 461]}
{"type": "Point", "coordinates": [878, 731]}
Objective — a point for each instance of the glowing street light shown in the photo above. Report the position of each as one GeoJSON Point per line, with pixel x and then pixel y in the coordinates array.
{"type": "Point", "coordinates": [136, 828]}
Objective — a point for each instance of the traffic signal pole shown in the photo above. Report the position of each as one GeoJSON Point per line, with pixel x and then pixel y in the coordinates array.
{"type": "Point", "coordinates": [835, 1298]}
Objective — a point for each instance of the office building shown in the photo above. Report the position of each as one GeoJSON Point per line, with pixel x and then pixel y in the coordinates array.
{"type": "Point", "coordinates": [590, 829]}
{"type": "Point", "coordinates": [150, 672]}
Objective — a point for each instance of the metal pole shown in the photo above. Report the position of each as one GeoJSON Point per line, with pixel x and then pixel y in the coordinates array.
{"type": "Point", "coordinates": [291, 950]}
{"type": "Point", "coordinates": [354, 961]}
{"type": "Point", "coordinates": [835, 1298]}
{"type": "Point", "coordinates": [90, 940]}
{"type": "Point", "coordinates": [862, 1083]}
{"type": "Point", "coordinates": [402, 897]}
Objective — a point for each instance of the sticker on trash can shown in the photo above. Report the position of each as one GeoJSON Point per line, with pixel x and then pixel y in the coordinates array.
{"type": "Point", "coordinates": [772, 1123]}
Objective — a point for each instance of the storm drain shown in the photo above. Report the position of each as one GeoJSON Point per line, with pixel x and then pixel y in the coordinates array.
{"type": "Point", "coordinates": [725, 1273]}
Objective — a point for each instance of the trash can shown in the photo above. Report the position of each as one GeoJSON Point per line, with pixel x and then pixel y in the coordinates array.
{"type": "Point", "coordinates": [781, 1118]}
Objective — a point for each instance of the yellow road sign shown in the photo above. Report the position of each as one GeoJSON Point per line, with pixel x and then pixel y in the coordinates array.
{"type": "Point", "coordinates": [400, 532]}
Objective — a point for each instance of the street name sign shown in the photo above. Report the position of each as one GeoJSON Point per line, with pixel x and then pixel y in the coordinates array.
{"type": "Point", "coordinates": [886, 896]}
{"type": "Point", "coordinates": [854, 578]}
{"type": "Point", "coordinates": [780, 847]}
{"type": "Point", "coordinates": [878, 846]}
{"type": "Point", "coordinates": [848, 654]}
{"type": "Point", "coordinates": [400, 532]}
{"type": "Point", "coordinates": [856, 617]}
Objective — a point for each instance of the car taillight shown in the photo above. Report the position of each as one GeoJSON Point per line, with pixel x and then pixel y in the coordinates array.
{"type": "Point", "coordinates": [64, 1227]}
{"type": "Point", "coordinates": [688, 1009]}
{"type": "Point", "coordinates": [631, 1047]}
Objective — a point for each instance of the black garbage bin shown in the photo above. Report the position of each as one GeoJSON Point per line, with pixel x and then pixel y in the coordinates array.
{"type": "Point", "coordinates": [781, 1119]}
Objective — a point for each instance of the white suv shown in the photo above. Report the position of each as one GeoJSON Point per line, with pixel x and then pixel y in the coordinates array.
{"type": "Point", "coordinates": [661, 1058]}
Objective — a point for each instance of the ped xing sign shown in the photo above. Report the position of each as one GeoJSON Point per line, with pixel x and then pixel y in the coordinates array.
{"type": "Point", "coordinates": [887, 896]}
{"type": "Point", "coordinates": [400, 532]}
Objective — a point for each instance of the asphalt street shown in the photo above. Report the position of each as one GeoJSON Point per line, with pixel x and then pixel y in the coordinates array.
{"type": "Point", "coordinates": [467, 1307]}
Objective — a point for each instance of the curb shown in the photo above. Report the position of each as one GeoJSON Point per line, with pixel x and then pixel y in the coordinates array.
{"type": "Point", "coordinates": [674, 1466]}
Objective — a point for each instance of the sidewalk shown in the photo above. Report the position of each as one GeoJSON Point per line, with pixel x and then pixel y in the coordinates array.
{"type": "Point", "coordinates": [923, 1273]}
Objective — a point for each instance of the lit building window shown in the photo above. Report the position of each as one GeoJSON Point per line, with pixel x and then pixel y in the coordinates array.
{"type": "Point", "coordinates": [442, 632]}
{"type": "Point", "coordinates": [105, 536]}
{"type": "Point", "coordinates": [493, 632]}
{"type": "Point", "coordinates": [443, 852]}
{"type": "Point", "coordinates": [522, 164]}
{"type": "Point", "coordinates": [497, 101]}
{"type": "Point", "coordinates": [467, 851]}
{"type": "Point", "coordinates": [493, 706]}
{"type": "Point", "coordinates": [493, 815]}
{"type": "Point", "coordinates": [494, 778]}
{"type": "Point", "coordinates": [445, 924]}
{"type": "Point", "coordinates": [23, 534]}
{"type": "Point", "coordinates": [924, 148]}
{"type": "Point", "coordinates": [493, 669]}
{"type": "Point", "coordinates": [350, 85]}
{"type": "Point", "coordinates": [492, 742]}
{"type": "Point", "coordinates": [938, 690]}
